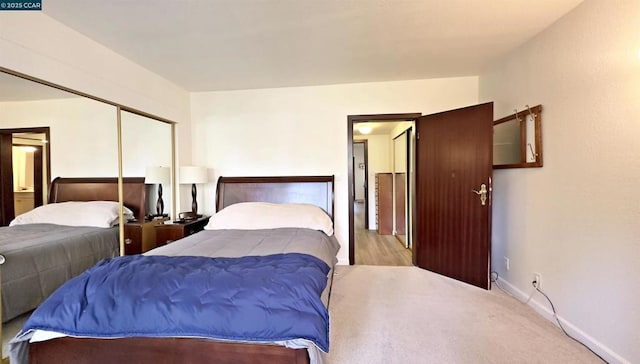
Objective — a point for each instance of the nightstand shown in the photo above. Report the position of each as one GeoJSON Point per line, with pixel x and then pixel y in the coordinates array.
{"type": "Point", "coordinates": [167, 233]}
{"type": "Point", "coordinates": [140, 236]}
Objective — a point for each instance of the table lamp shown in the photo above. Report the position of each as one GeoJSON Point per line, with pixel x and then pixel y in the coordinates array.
{"type": "Point", "coordinates": [158, 175]}
{"type": "Point", "coordinates": [193, 175]}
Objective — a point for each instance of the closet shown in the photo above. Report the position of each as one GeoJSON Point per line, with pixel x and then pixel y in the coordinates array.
{"type": "Point", "coordinates": [384, 203]}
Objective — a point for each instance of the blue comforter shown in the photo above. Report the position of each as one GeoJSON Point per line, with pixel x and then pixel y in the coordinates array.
{"type": "Point", "coordinates": [257, 298]}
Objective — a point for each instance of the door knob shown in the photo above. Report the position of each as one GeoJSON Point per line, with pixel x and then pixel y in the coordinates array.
{"type": "Point", "coordinates": [482, 193]}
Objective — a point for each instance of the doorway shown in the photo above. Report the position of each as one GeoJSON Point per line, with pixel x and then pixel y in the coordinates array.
{"type": "Point", "coordinates": [25, 168]}
{"type": "Point", "coordinates": [452, 191]}
{"type": "Point", "coordinates": [382, 237]}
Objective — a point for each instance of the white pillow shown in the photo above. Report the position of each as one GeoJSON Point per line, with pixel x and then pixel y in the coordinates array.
{"type": "Point", "coordinates": [102, 214]}
{"type": "Point", "coordinates": [264, 215]}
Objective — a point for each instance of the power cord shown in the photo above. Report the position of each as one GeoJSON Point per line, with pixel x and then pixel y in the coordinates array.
{"type": "Point", "coordinates": [555, 315]}
{"type": "Point", "coordinates": [495, 280]}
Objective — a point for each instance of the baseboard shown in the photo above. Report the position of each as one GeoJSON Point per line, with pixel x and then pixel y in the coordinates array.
{"type": "Point", "coordinates": [540, 305]}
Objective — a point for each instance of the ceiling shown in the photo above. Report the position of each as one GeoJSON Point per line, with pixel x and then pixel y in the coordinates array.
{"type": "Point", "coordinates": [208, 45]}
{"type": "Point", "coordinates": [377, 127]}
{"type": "Point", "coordinates": [37, 138]}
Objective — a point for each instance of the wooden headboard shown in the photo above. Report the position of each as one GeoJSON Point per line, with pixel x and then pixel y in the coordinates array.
{"type": "Point", "coordinates": [315, 190]}
{"type": "Point", "coordinates": [101, 189]}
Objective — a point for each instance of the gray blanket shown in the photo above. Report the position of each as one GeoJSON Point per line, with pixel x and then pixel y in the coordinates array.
{"type": "Point", "coordinates": [41, 257]}
{"type": "Point", "coordinates": [240, 243]}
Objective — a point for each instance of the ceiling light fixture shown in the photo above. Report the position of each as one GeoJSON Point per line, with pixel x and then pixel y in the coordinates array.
{"type": "Point", "coordinates": [364, 129]}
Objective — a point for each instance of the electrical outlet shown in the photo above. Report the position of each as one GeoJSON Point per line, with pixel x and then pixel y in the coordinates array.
{"type": "Point", "coordinates": [506, 263]}
{"type": "Point", "coordinates": [536, 280]}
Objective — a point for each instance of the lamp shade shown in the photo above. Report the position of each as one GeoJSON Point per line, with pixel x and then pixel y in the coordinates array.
{"type": "Point", "coordinates": [193, 175]}
{"type": "Point", "coordinates": [155, 174]}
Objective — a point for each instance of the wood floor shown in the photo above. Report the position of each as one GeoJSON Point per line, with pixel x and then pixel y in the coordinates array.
{"type": "Point", "coordinates": [374, 249]}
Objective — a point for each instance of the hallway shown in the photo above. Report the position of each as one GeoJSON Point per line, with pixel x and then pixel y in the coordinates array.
{"type": "Point", "coordinates": [374, 249]}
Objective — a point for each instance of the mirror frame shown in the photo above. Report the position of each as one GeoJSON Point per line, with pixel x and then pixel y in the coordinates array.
{"type": "Point", "coordinates": [536, 111]}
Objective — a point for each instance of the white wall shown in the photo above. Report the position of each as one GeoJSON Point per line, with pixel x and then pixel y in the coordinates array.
{"type": "Point", "coordinates": [83, 133]}
{"type": "Point", "coordinates": [576, 220]}
{"type": "Point", "coordinates": [303, 130]}
{"type": "Point", "coordinates": [22, 169]}
{"type": "Point", "coordinates": [37, 45]}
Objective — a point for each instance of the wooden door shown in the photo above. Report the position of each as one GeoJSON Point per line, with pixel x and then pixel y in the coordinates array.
{"type": "Point", "coordinates": [384, 203]}
{"type": "Point", "coordinates": [6, 179]}
{"type": "Point", "coordinates": [37, 177]}
{"type": "Point", "coordinates": [400, 183]}
{"type": "Point", "coordinates": [453, 228]}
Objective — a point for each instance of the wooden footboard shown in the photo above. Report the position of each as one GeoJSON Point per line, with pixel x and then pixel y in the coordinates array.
{"type": "Point", "coordinates": [160, 350]}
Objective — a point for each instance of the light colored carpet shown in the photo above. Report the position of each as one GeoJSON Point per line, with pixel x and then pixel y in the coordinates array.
{"type": "Point", "coordinates": [409, 315]}
{"type": "Point", "coordinates": [11, 329]}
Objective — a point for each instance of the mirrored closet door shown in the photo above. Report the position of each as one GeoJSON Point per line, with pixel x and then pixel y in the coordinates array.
{"type": "Point", "coordinates": [49, 131]}
{"type": "Point", "coordinates": [45, 133]}
{"type": "Point", "coordinates": [147, 151]}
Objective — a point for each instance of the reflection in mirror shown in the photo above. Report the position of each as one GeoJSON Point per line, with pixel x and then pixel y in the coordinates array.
{"type": "Point", "coordinates": [24, 158]}
{"type": "Point", "coordinates": [83, 131]}
{"type": "Point", "coordinates": [78, 136]}
{"type": "Point", "coordinates": [29, 166]}
{"type": "Point", "coordinates": [147, 152]}
{"type": "Point", "coordinates": [507, 142]}
{"type": "Point", "coordinates": [517, 139]}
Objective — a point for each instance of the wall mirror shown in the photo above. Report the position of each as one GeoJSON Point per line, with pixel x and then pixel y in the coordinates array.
{"type": "Point", "coordinates": [146, 145]}
{"type": "Point", "coordinates": [49, 131]}
{"type": "Point", "coordinates": [45, 133]}
{"type": "Point", "coordinates": [517, 139]}
{"type": "Point", "coordinates": [147, 151]}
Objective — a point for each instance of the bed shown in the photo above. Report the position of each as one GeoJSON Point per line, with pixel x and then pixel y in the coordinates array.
{"type": "Point", "coordinates": [39, 257]}
{"type": "Point", "coordinates": [252, 249]}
